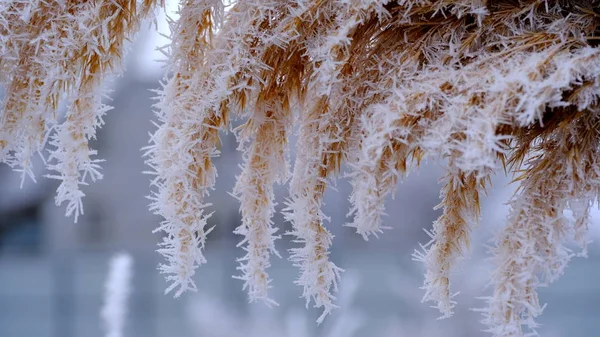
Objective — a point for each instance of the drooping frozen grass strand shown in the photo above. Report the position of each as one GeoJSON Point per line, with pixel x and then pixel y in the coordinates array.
{"type": "Point", "coordinates": [316, 159]}
{"type": "Point", "coordinates": [384, 86]}
{"type": "Point", "coordinates": [61, 50]}
{"type": "Point", "coordinates": [263, 138]}
{"type": "Point", "coordinates": [265, 164]}
{"type": "Point", "coordinates": [182, 147]}
{"type": "Point", "coordinates": [373, 86]}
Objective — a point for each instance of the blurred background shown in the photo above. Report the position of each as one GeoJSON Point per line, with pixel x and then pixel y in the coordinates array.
{"type": "Point", "coordinates": [52, 271]}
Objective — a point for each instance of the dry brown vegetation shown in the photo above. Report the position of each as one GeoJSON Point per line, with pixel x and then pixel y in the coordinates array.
{"type": "Point", "coordinates": [374, 86]}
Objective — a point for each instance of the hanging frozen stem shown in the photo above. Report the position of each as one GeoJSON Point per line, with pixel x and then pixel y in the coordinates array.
{"type": "Point", "coordinates": [450, 238]}
{"type": "Point", "coordinates": [531, 251]}
{"type": "Point", "coordinates": [72, 155]}
{"type": "Point", "coordinates": [373, 85]}
{"type": "Point", "coordinates": [265, 165]}
{"type": "Point", "coordinates": [318, 275]}
{"type": "Point", "coordinates": [99, 54]}
{"type": "Point", "coordinates": [116, 295]}
{"type": "Point", "coordinates": [184, 144]}
{"type": "Point", "coordinates": [267, 130]}
{"type": "Point", "coordinates": [315, 161]}
{"type": "Point", "coordinates": [24, 110]}
{"type": "Point", "coordinates": [62, 50]}
{"type": "Point", "coordinates": [388, 145]}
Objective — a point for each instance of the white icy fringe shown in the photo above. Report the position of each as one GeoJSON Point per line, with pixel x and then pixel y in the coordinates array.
{"type": "Point", "coordinates": [520, 73]}
{"type": "Point", "coordinates": [318, 275]}
{"type": "Point", "coordinates": [266, 131]}
{"type": "Point", "coordinates": [265, 165]}
{"type": "Point", "coordinates": [319, 152]}
{"type": "Point", "coordinates": [117, 289]}
{"type": "Point", "coordinates": [32, 71]}
{"type": "Point", "coordinates": [72, 157]}
{"type": "Point", "coordinates": [531, 252]}
{"type": "Point", "coordinates": [330, 52]}
{"type": "Point", "coordinates": [374, 174]}
{"type": "Point", "coordinates": [53, 51]}
{"type": "Point", "coordinates": [441, 100]}
{"type": "Point", "coordinates": [450, 237]}
{"type": "Point", "coordinates": [183, 145]}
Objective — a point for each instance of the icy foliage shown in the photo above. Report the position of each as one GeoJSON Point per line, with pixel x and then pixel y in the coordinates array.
{"type": "Point", "coordinates": [185, 142]}
{"type": "Point", "coordinates": [373, 86]}
{"type": "Point", "coordinates": [51, 51]}
{"type": "Point", "coordinates": [380, 86]}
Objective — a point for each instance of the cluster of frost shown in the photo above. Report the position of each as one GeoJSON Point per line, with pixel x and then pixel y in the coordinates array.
{"type": "Point", "coordinates": [373, 86]}
{"type": "Point", "coordinates": [53, 51]}
{"type": "Point", "coordinates": [183, 146]}
{"type": "Point", "coordinates": [381, 86]}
